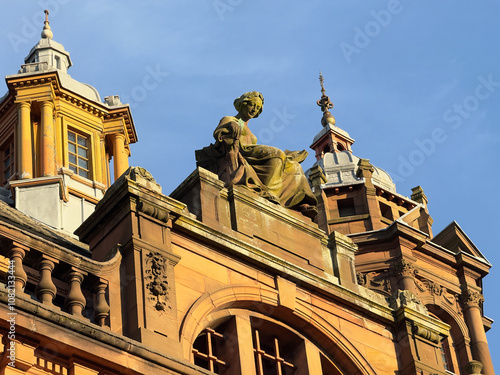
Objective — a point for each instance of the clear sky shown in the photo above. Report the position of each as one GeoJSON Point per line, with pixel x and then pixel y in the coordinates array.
{"type": "Point", "coordinates": [415, 83]}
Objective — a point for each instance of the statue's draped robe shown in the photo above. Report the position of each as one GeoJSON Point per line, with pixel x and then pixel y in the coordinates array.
{"type": "Point", "coordinates": [270, 172]}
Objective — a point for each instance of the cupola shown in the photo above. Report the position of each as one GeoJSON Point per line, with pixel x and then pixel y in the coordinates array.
{"type": "Point", "coordinates": [58, 139]}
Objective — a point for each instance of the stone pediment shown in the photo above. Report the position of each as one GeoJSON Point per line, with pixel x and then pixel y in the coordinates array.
{"type": "Point", "coordinates": [454, 238]}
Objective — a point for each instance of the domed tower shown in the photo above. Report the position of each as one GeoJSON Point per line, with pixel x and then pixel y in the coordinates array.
{"type": "Point", "coordinates": [395, 254]}
{"type": "Point", "coordinates": [57, 138]}
{"type": "Point", "coordinates": [355, 196]}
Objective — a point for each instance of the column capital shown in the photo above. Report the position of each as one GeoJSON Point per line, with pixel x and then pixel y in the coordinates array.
{"type": "Point", "coordinates": [404, 268]}
{"type": "Point", "coordinates": [47, 103]}
{"type": "Point", "coordinates": [471, 298]}
{"type": "Point", "coordinates": [22, 103]}
{"type": "Point", "coordinates": [118, 135]}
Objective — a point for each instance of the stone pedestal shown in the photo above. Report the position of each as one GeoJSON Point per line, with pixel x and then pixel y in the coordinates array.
{"type": "Point", "coordinates": [240, 213]}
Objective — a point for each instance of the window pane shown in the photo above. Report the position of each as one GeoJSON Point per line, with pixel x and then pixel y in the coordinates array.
{"type": "Point", "coordinates": [72, 159]}
{"type": "Point", "coordinates": [71, 137]}
{"type": "Point", "coordinates": [82, 152]}
{"type": "Point", "coordinates": [83, 173]}
{"type": "Point", "coordinates": [83, 163]}
{"type": "Point", "coordinates": [82, 141]}
{"type": "Point", "coordinates": [6, 163]}
{"type": "Point", "coordinates": [73, 168]}
{"type": "Point", "coordinates": [72, 148]}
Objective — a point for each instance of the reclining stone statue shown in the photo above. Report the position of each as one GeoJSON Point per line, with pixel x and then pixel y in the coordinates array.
{"type": "Point", "coordinates": [238, 160]}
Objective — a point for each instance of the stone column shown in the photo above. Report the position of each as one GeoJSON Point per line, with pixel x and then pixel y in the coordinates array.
{"type": "Point", "coordinates": [58, 138]}
{"type": "Point", "coordinates": [47, 141]}
{"type": "Point", "coordinates": [24, 144]}
{"type": "Point", "coordinates": [121, 158]}
{"type": "Point", "coordinates": [473, 318]}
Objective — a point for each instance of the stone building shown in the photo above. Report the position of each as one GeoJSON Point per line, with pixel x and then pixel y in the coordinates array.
{"type": "Point", "coordinates": [103, 277]}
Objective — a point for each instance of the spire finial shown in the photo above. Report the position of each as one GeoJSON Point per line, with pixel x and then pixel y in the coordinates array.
{"type": "Point", "coordinates": [321, 81]}
{"type": "Point", "coordinates": [325, 104]}
{"type": "Point", "coordinates": [46, 32]}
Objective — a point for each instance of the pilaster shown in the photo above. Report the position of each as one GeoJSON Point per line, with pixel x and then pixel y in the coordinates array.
{"type": "Point", "coordinates": [343, 252]}
{"type": "Point", "coordinates": [135, 215]}
{"type": "Point", "coordinates": [365, 170]}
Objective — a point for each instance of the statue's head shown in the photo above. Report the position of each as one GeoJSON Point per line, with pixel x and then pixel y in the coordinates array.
{"type": "Point", "coordinates": [251, 96]}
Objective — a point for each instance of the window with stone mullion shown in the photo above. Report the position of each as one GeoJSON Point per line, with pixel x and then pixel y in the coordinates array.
{"type": "Point", "coordinates": [205, 350]}
{"type": "Point", "coordinates": [268, 358]}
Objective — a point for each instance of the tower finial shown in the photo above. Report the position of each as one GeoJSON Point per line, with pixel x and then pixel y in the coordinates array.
{"type": "Point", "coordinates": [325, 104]}
{"type": "Point", "coordinates": [321, 80]}
{"type": "Point", "coordinates": [46, 32]}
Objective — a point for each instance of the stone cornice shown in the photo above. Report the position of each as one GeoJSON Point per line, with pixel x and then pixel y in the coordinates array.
{"type": "Point", "coordinates": [187, 225]}
{"type": "Point", "coordinates": [59, 91]}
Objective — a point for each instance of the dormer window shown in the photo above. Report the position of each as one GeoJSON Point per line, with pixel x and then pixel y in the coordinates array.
{"type": "Point", "coordinates": [79, 154]}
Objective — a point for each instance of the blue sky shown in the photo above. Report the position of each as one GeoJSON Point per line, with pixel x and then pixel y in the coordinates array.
{"type": "Point", "coordinates": [415, 83]}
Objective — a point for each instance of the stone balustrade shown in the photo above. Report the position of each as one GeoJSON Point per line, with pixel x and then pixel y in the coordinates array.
{"type": "Point", "coordinates": [60, 279]}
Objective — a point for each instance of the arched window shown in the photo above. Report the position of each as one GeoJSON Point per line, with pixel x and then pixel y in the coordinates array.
{"type": "Point", "coordinates": [266, 346]}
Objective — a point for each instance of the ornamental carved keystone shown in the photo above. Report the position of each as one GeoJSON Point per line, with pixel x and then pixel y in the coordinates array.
{"type": "Point", "coordinates": [157, 283]}
{"type": "Point", "coordinates": [404, 269]}
{"type": "Point", "coordinates": [471, 298]}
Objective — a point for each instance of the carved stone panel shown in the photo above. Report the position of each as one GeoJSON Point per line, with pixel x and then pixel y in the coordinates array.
{"type": "Point", "coordinates": [157, 281]}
